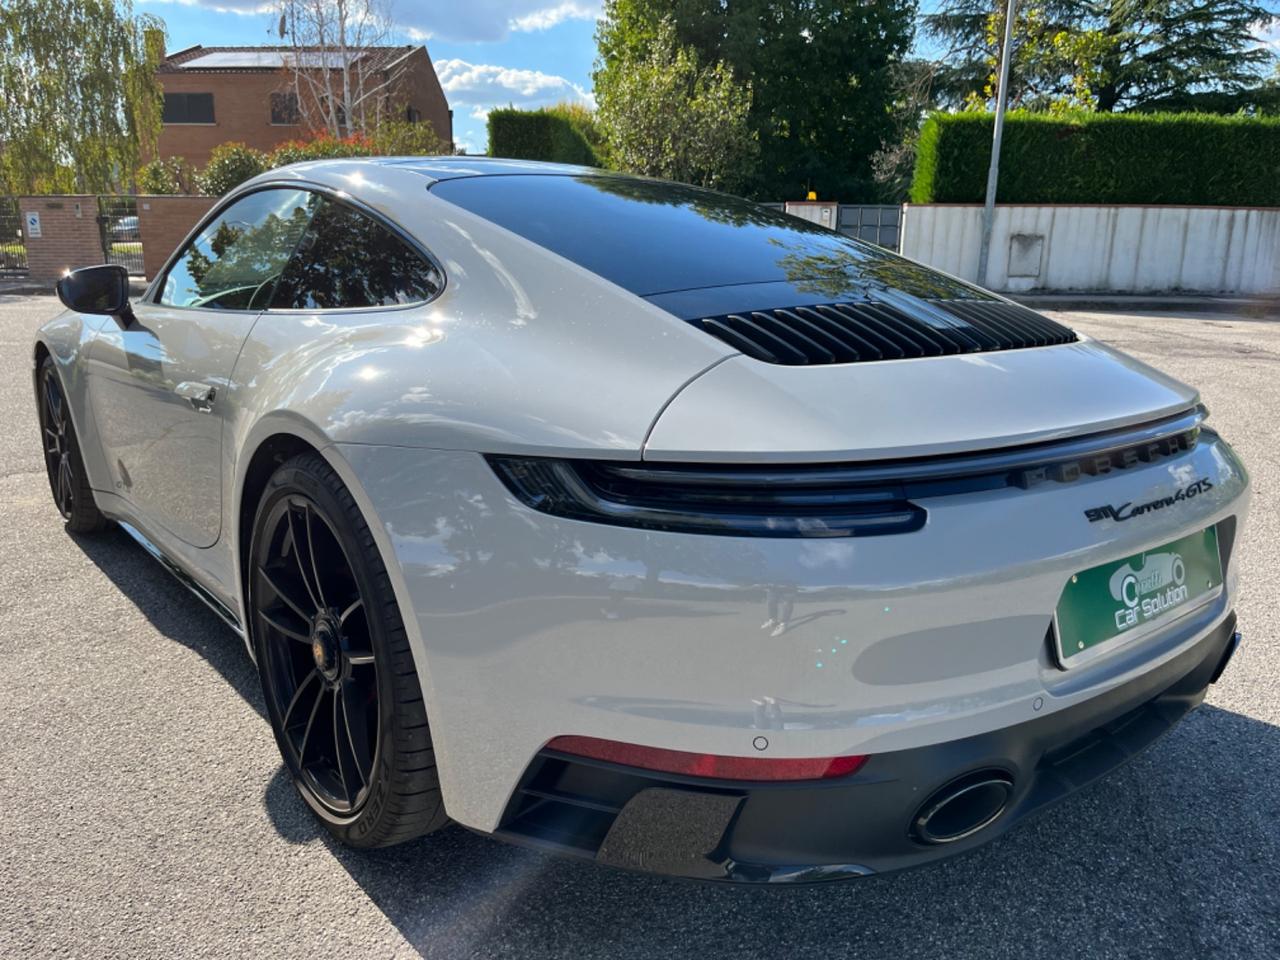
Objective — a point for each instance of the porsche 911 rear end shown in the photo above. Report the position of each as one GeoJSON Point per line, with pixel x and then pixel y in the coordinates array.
{"type": "Point", "coordinates": [895, 565]}
{"type": "Point", "coordinates": [803, 672]}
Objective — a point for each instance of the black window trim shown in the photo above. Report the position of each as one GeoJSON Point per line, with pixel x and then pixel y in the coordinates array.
{"type": "Point", "coordinates": [213, 112]}
{"type": "Point", "coordinates": [154, 291]}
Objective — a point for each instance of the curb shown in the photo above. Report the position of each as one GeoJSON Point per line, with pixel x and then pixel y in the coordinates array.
{"type": "Point", "coordinates": [1122, 303]}
{"type": "Point", "coordinates": [24, 289]}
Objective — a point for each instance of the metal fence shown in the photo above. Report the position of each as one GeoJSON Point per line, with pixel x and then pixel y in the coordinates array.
{"type": "Point", "coordinates": [118, 230]}
{"type": "Point", "coordinates": [13, 248]}
{"type": "Point", "coordinates": [879, 223]}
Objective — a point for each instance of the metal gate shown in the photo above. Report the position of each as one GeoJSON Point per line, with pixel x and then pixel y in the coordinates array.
{"type": "Point", "coordinates": [118, 228]}
{"type": "Point", "coordinates": [13, 247]}
{"type": "Point", "coordinates": [877, 223]}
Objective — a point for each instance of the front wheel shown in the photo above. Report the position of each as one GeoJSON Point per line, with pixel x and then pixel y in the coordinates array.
{"type": "Point", "coordinates": [68, 480]}
{"type": "Point", "coordinates": [341, 687]}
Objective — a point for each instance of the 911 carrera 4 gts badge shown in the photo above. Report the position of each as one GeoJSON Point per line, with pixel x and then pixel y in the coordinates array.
{"type": "Point", "coordinates": [1127, 511]}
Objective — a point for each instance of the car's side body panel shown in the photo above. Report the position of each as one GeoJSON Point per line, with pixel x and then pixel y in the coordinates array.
{"type": "Point", "coordinates": [530, 627]}
{"type": "Point", "coordinates": [546, 355]}
{"type": "Point", "coordinates": [162, 446]}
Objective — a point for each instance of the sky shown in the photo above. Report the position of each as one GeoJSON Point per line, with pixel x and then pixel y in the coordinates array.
{"type": "Point", "coordinates": [487, 53]}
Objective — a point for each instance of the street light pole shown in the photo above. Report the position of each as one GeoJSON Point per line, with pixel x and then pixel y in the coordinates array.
{"type": "Point", "coordinates": [993, 172]}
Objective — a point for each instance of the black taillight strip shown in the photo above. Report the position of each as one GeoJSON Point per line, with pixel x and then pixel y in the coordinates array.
{"type": "Point", "coordinates": [838, 500]}
{"type": "Point", "coordinates": [574, 489]}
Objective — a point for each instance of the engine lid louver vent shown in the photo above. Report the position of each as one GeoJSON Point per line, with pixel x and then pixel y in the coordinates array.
{"type": "Point", "coordinates": [884, 329]}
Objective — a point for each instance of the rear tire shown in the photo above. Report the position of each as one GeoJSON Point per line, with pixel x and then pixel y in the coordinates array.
{"type": "Point", "coordinates": [340, 683]}
{"type": "Point", "coordinates": [68, 481]}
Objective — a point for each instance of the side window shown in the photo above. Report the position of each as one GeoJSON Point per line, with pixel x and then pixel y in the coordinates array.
{"type": "Point", "coordinates": [284, 109]}
{"type": "Point", "coordinates": [347, 259]}
{"type": "Point", "coordinates": [234, 262]}
{"type": "Point", "coordinates": [187, 108]}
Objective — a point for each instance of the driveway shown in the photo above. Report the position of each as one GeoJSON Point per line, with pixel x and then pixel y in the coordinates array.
{"type": "Point", "coordinates": [146, 813]}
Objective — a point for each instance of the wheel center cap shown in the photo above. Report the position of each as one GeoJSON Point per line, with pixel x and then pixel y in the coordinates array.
{"type": "Point", "coordinates": [325, 651]}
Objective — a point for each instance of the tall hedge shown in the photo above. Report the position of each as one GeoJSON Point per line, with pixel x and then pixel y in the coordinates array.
{"type": "Point", "coordinates": [1150, 158]}
{"type": "Point", "coordinates": [538, 135]}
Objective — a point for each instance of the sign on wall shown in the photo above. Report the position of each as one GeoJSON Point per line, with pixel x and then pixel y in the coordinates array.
{"type": "Point", "coordinates": [31, 224]}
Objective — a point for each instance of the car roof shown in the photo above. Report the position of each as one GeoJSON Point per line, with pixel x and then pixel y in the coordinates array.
{"type": "Point", "coordinates": [436, 169]}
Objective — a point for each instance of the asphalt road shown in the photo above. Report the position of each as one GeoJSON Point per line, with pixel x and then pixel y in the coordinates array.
{"type": "Point", "coordinates": [144, 811]}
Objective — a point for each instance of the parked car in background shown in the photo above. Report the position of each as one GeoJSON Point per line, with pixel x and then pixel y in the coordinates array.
{"type": "Point", "coordinates": [124, 229]}
{"type": "Point", "coordinates": [637, 522]}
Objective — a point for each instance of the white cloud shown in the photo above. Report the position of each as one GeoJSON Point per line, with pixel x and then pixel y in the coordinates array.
{"type": "Point", "coordinates": [1268, 34]}
{"type": "Point", "coordinates": [483, 86]}
{"type": "Point", "coordinates": [462, 21]}
{"type": "Point", "coordinates": [548, 17]}
{"type": "Point", "coordinates": [487, 21]}
{"type": "Point", "coordinates": [243, 8]}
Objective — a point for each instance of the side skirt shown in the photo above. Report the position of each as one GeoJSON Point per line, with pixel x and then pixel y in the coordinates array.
{"type": "Point", "coordinates": [225, 613]}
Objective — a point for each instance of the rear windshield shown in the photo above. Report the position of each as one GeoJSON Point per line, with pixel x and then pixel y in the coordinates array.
{"type": "Point", "coordinates": [653, 237]}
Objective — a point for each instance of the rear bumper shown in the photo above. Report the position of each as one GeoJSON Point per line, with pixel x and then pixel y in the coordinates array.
{"type": "Point", "coordinates": [855, 826]}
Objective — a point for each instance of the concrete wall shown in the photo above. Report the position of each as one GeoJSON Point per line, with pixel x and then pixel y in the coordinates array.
{"type": "Point", "coordinates": [68, 238]}
{"type": "Point", "coordinates": [163, 222]}
{"type": "Point", "coordinates": [1103, 248]}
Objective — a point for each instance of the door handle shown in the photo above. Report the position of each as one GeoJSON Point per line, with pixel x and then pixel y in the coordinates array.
{"type": "Point", "coordinates": [199, 395]}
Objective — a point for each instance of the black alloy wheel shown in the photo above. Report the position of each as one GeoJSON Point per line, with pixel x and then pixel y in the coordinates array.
{"type": "Point", "coordinates": [342, 694]}
{"type": "Point", "coordinates": [68, 481]}
{"type": "Point", "coordinates": [323, 675]}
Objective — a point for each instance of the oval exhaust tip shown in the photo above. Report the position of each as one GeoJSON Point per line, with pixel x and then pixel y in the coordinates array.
{"type": "Point", "coordinates": [963, 807]}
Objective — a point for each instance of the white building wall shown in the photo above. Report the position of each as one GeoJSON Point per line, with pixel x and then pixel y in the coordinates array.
{"type": "Point", "coordinates": [1103, 248]}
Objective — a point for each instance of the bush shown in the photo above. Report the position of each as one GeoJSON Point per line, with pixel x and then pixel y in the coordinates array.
{"type": "Point", "coordinates": [549, 134]}
{"type": "Point", "coordinates": [399, 138]}
{"type": "Point", "coordinates": [323, 146]}
{"type": "Point", "coordinates": [168, 176]}
{"type": "Point", "coordinates": [1154, 158]}
{"type": "Point", "coordinates": [230, 164]}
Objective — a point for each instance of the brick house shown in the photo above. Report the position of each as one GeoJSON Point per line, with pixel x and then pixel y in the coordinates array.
{"type": "Point", "coordinates": [213, 95]}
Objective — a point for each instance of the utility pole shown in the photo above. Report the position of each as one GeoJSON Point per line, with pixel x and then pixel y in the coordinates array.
{"type": "Point", "coordinates": [993, 172]}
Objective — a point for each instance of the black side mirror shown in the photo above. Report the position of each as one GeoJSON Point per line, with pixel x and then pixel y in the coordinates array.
{"type": "Point", "coordinates": [101, 290]}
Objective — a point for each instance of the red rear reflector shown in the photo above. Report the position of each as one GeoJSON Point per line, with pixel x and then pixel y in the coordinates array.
{"type": "Point", "coordinates": [707, 764]}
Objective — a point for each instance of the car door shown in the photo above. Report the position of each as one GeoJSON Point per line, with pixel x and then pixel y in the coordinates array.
{"type": "Point", "coordinates": [158, 384]}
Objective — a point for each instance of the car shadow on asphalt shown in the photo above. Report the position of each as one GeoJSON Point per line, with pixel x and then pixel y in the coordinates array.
{"type": "Point", "coordinates": [173, 611]}
{"type": "Point", "coordinates": [1173, 855]}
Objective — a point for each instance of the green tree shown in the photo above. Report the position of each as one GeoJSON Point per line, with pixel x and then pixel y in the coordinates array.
{"type": "Point", "coordinates": [1107, 55]}
{"type": "Point", "coordinates": [667, 116]}
{"type": "Point", "coordinates": [821, 76]}
{"type": "Point", "coordinates": [79, 100]}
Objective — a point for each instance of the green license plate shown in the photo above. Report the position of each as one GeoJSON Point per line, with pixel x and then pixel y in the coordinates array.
{"type": "Point", "coordinates": [1117, 598]}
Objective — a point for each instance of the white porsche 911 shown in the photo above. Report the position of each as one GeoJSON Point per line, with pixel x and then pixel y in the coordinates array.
{"type": "Point", "coordinates": [638, 522]}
